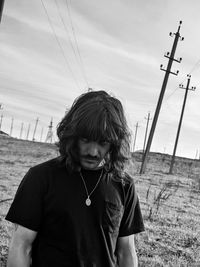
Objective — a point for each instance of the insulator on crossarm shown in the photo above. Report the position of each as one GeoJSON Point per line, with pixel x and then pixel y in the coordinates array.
{"type": "Point", "coordinates": [167, 54]}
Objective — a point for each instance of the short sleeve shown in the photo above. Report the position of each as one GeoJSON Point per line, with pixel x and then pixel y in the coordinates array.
{"type": "Point", "coordinates": [26, 208]}
{"type": "Point", "coordinates": [132, 221]}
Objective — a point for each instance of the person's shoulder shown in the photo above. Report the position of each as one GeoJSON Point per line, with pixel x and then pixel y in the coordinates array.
{"type": "Point", "coordinates": [49, 165]}
{"type": "Point", "coordinates": [124, 178]}
{"type": "Point", "coordinates": [127, 179]}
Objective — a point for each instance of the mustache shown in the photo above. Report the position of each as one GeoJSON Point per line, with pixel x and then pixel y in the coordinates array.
{"type": "Point", "coordinates": [89, 157]}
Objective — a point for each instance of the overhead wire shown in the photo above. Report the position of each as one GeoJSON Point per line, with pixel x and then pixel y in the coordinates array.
{"type": "Point", "coordinates": [76, 42]}
{"type": "Point", "coordinates": [196, 65]}
{"type": "Point", "coordinates": [75, 50]}
{"type": "Point", "coordinates": [58, 42]}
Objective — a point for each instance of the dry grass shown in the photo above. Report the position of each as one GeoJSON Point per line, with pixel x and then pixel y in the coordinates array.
{"type": "Point", "coordinates": [170, 203]}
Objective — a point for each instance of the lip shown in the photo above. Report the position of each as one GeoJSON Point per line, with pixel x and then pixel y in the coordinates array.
{"type": "Point", "coordinates": [90, 160]}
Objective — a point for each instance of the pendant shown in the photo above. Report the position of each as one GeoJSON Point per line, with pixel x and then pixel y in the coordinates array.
{"type": "Point", "coordinates": [88, 202]}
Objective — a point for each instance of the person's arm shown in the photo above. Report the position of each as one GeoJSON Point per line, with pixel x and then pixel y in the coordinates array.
{"type": "Point", "coordinates": [126, 253]}
{"type": "Point", "coordinates": [20, 247]}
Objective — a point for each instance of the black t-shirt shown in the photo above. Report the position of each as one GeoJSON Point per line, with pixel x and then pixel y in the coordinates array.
{"type": "Point", "coordinates": [51, 201]}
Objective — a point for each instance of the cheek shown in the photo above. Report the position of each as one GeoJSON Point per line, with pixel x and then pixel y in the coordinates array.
{"type": "Point", "coordinates": [82, 149]}
{"type": "Point", "coordinates": [105, 150]}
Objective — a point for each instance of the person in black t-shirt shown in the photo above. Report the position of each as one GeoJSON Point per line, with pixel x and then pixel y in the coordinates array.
{"type": "Point", "coordinates": [81, 208]}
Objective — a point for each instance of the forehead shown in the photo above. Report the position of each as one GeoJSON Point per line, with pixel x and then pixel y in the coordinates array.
{"type": "Point", "coordinates": [97, 130]}
{"type": "Point", "coordinates": [88, 144]}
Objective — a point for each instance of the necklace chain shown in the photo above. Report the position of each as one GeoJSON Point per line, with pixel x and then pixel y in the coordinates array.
{"type": "Point", "coordinates": [88, 200]}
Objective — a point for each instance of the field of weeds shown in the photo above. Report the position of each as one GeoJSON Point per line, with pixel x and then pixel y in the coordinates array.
{"type": "Point", "coordinates": [170, 203]}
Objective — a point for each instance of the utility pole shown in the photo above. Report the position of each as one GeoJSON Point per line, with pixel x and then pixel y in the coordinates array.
{"type": "Point", "coordinates": [146, 131]}
{"type": "Point", "coordinates": [21, 131]}
{"type": "Point", "coordinates": [168, 71]}
{"type": "Point", "coordinates": [1, 120]}
{"type": "Point", "coordinates": [36, 123]}
{"type": "Point", "coordinates": [196, 155]}
{"type": "Point", "coordinates": [136, 128]}
{"type": "Point", "coordinates": [1, 108]}
{"type": "Point", "coordinates": [28, 131]}
{"type": "Point", "coordinates": [1, 8]}
{"type": "Point", "coordinates": [180, 121]}
{"type": "Point", "coordinates": [41, 134]}
{"type": "Point", "coordinates": [11, 127]}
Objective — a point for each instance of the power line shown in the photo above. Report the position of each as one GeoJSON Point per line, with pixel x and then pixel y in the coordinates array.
{"type": "Point", "coordinates": [76, 42]}
{"type": "Point", "coordinates": [75, 51]}
{"type": "Point", "coordinates": [196, 65]}
{"type": "Point", "coordinates": [59, 44]}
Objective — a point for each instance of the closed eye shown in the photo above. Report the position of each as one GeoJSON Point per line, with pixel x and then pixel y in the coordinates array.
{"type": "Point", "coordinates": [104, 143]}
{"type": "Point", "coordinates": [84, 140]}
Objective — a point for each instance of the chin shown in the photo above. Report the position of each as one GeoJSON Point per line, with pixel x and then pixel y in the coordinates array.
{"type": "Point", "coordinates": [90, 166]}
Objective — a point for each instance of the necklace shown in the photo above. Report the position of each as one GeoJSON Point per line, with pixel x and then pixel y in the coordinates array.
{"type": "Point", "coordinates": [88, 200]}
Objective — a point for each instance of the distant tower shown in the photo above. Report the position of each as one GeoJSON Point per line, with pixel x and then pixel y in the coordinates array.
{"type": "Point", "coordinates": [49, 137]}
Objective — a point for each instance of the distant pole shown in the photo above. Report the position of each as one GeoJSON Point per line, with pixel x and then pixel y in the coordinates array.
{"type": "Point", "coordinates": [36, 123]}
{"type": "Point", "coordinates": [136, 129]}
{"type": "Point", "coordinates": [41, 134]}
{"type": "Point", "coordinates": [147, 125]}
{"type": "Point", "coordinates": [11, 126]}
{"type": "Point", "coordinates": [28, 131]}
{"type": "Point", "coordinates": [180, 122]}
{"type": "Point", "coordinates": [21, 131]}
{"type": "Point", "coordinates": [1, 121]}
{"type": "Point", "coordinates": [171, 58]}
{"type": "Point", "coordinates": [1, 8]}
{"type": "Point", "coordinates": [196, 155]}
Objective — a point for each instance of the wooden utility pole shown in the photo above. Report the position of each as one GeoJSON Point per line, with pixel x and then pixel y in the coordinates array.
{"type": "Point", "coordinates": [29, 126]}
{"type": "Point", "coordinates": [36, 123]}
{"type": "Point", "coordinates": [171, 58]}
{"type": "Point", "coordinates": [1, 8]}
{"type": "Point", "coordinates": [136, 129]}
{"type": "Point", "coordinates": [1, 108]}
{"type": "Point", "coordinates": [1, 120]}
{"type": "Point", "coordinates": [11, 126]}
{"type": "Point", "coordinates": [41, 134]}
{"type": "Point", "coordinates": [146, 131]}
{"type": "Point", "coordinates": [180, 121]}
{"type": "Point", "coordinates": [21, 131]}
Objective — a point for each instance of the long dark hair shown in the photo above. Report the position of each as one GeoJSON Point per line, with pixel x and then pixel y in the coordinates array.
{"type": "Point", "coordinates": [96, 116]}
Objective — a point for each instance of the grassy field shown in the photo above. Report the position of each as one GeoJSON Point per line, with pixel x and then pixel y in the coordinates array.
{"type": "Point", "coordinates": [170, 203]}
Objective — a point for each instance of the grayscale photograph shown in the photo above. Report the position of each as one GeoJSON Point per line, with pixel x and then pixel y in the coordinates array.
{"type": "Point", "coordinates": [99, 133]}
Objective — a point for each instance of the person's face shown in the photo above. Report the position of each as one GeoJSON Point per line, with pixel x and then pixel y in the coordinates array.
{"type": "Point", "coordinates": [92, 153]}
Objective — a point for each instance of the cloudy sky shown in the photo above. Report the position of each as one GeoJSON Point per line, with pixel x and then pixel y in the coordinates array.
{"type": "Point", "coordinates": [52, 50]}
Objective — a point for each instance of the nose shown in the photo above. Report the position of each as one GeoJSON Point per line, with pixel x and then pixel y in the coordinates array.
{"type": "Point", "coordinates": [93, 150]}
